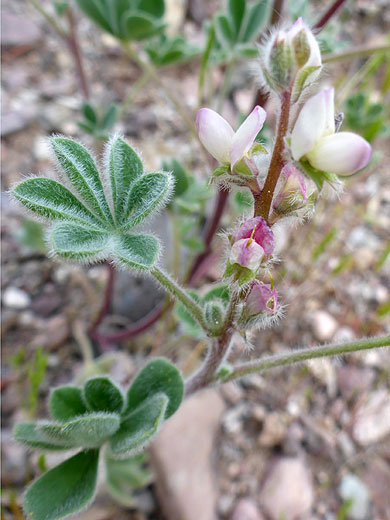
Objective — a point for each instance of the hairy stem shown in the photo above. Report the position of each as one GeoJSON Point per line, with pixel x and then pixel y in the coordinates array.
{"type": "Point", "coordinates": [181, 295]}
{"type": "Point", "coordinates": [304, 354]}
{"type": "Point", "coordinates": [217, 351]}
{"type": "Point", "coordinates": [262, 203]}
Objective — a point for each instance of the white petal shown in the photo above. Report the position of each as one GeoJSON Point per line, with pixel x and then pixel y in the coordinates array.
{"type": "Point", "coordinates": [246, 134]}
{"type": "Point", "coordinates": [312, 122]}
{"type": "Point", "coordinates": [315, 53]}
{"type": "Point", "coordinates": [215, 134]}
{"type": "Point", "coordinates": [343, 153]}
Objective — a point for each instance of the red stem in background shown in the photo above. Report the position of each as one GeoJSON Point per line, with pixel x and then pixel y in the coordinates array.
{"type": "Point", "coordinates": [72, 42]}
{"type": "Point", "coordinates": [104, 309]}
{"type": "Point", "coordinates": [328, 15]}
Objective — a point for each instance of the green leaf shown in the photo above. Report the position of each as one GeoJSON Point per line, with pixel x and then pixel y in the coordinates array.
{"type": "Point", "coordinates": [147, 194]}
{"type": "Point", "coordinates": [102, 395]}
{"type": "Point", "coordinates": [89, 113]}
{"type": "Point", "coordinates": [137, 251]}
{"type": "Point", "coordinates": [82, 173]}
{"type": "Point", "coordinates": [256, 20]}
{"type": "Point", "coordinates": [219, 292]}
{"type": "Point", "coordinates": [66, 402]}
{"type": "Point", "coordinates": [224, 31]}
{"type": "Point", "coordinates": [26, 433]}
{"type": "Point", "coordinates": [86, 127]}
{"type": "Point", "coordinates": [97, 11]}
{"type": "Point", "coordinates": [125, 167]}
{"type": "Point", "coordinates": [110, 117]}
{"type": "Point", "coordinates": [49, 199]}
{"type": "Point", "coordinates": [236, 12]}
{"type": "Point", "coordinates": [206, 58]}
{"type": "Point", "coordinates": [140, 426]}
{"type": "Point", "coordinates": [140, 26]}
{"type": "Point", "coordinates": [88, 431]}
{"type": "Point", "coordinates": [155, 8]}
{"type": "Point", "coordinates": [189, 323]}
{"type": "Point", "coordinates": [159, 375]}
{"type": "Point", "coordinates": [63, 490]}
{"type": "Point", "coordinates": [77, 242]}
{"type": "Point", "coordinates": [246, 50]}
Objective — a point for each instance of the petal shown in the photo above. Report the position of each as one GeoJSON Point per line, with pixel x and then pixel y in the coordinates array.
{"type": "Point", "coordinates": [313, 120]}
{"type": "Point", "coordinates": [262, 235]}
{"type": "Point", "coordinates": [246, 253]}
{"type": "Point", "coordinates": [296, 27]}
{"type": "Point", "coordinates": [246, 134]}
{"type": "Point", "coordinates": [343, 153]}
{"type": "Point", "coordinates": [215, 134]}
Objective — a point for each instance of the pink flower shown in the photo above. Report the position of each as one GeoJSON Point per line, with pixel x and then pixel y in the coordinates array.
{"type": "Point", "coordinates": [293, 193]}
{"type": "Point", "coordinates": [247, 253]}
{"type": "Point", "coordinates": [219, 138]}
{"type": "Point", "coordinates": [260, 299]}
{"type": "Point", "coordinates": [314, 138]}
{"type": "Point", "coordinates": [262, 233]}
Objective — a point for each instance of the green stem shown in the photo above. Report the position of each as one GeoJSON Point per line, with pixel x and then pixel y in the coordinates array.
{"type": "Point", "coordinates": [49, 18]}
{"type": "Point", "coordinates": [134, 91]}
{"type": "Point", "coordinates": [304, 354]}
{"type": "Point", "coordinates": [362, 51]}
{"type": "Point", "coordinates": [225, 85]}
{"type": "Point", "coordinates": [181, 295]}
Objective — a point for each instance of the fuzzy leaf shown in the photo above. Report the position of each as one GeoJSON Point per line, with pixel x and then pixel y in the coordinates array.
{"type": "Point", "coordinates": [83, 175]}
{"type": "Point", "coordinates": [137, 251]}
{"type": "Point", "coordinates": [66, 402]}
{"type": "Point", "coordinates": [147, 194]}
{"type": "Point", "coordinates": [77, 242]}
{"type": "Point", "coordinates": [63, 490]}
{"type": "Point", "coordinates": [140, 26]}
{"type": "Point", "coordinates": [140, 426]}
{"type": "Point", "coordinates": [236, 12]}
{"type": "Point", "coordinates": [125, 167]}
{"type": "Point", "coordinates": [26, 433]}
{"type": "Point", "coordinates": [53, 201]}
{"type": "Point", "coordinates": [102, 395]}
{"type": "Point", "coordinates": [256, 20]}
{"type": "Point", "coordinates": [88, 431]}
{"type": "Point", "coordinates": [159, 375]}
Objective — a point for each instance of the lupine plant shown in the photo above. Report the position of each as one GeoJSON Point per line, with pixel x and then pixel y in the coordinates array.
{"type": "Point", "coordinates": [95, 215]}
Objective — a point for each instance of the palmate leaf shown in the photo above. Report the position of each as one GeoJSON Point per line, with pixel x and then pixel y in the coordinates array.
{"type": "Point", "coordinates": [98, 11]}
{"type": "Point", "coordinates": [81, 171]}
{"type": "Point", "coordinates": [236, 12]}
{"type": "Point", "coordinates": [155, 8]}
{"type": "Point", "coordinates": [137, 251]}
{"type": "Point", "coordinates": [140, 426]}
{"type": "Point", "coordinates": [88, 431]}
{"type": "Point", "coordinates": [26, 433]}
{"type": "Point", "coordinates": [48, 198]}
{"type": "Point", "coordinates": [148, 193]}
{"type": "Point", "coordinates": [102, 395]}
{"type": "Point", "coordinates": [140, 26]}
{"type": "Point", "coordinates": [125, 167]}
{"type": "Point", "coordinates": [78, 242]}
{"type": "Point", "coordinates": [66, 402]}
{"type": "Point", "coordinates": [224, 31]}
{"type": "Point", "coordinates": [63, 490]}
{"type": "Point", "coordinates": [255, 20]}
{"type": "Point", "coordinates": [158, 376]}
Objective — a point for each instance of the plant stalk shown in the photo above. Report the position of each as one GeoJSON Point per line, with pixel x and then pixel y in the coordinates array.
{"type": "Point", "coordinates": [304, 354]}
{"type": "Point", "coordinates": [362, 51]}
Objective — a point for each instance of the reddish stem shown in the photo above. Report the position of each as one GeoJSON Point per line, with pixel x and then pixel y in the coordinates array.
{"type": "Point", "coordinates": [328, 15]}
{"type": "Point", "coordinates": [105, 307]}
{"type": "Point", "coordinates": [72, 42]}
{"type": "Point", "coordinates": [263, 201]}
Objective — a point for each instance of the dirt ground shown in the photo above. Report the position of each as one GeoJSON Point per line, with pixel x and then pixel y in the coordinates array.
{"type": "Point", "coordinates": [315, 429]}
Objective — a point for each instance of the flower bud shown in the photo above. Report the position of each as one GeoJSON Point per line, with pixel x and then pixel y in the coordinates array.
{"type": "Point", "coordinates": [293, 195]}
{"type": "Point", "coordinates": [257, 229]}
{"type": "Point", "coordinates": [292, 56]}
{"type": "Point", "coordinates": [214, 314]}
{"type": "Point", "coordinates": [260, 299]}
{"type": "Point", "coordinates": [247, 253]}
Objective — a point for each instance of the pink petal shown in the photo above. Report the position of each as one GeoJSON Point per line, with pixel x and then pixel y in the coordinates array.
{"type": "Point", "coordinates": [247, 254]}
{"type": "Point", "coordinates": [215, 134]}
{"type": "Point", "coordinates": [246, 134]}
{"type": "Point", "coordinates": [313, 121]}
{"type": "Point", "coordinates": [262, 235]}
{"type": "Point", "coordinates": [343, 153]}
{"type": "Point", "coordinates": [261, 298]}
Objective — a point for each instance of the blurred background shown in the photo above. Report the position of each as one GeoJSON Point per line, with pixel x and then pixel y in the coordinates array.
{"type": "Point", "coordinates": [312, 440]}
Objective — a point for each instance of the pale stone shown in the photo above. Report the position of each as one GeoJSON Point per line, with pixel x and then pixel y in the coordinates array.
{"type": "Point", "coordinates": [372, 419]}
{"type": "Point", "coordinates": [15, 298]}
{"type": "Point", "coordinates": [324, 325]}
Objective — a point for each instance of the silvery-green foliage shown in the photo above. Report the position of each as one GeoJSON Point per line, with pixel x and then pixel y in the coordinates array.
{"type": "Point", "coordinates": [92, 219]}
{"type": "Point", "coordinates": [126, 19]}
{"type": "Point", "coordinates": [89, 418]}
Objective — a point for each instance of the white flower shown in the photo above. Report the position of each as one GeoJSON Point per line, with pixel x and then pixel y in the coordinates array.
{"type": "Point", "coordinates": [314, 138]}
{"type": "Point", "coordinates": [219, 138]}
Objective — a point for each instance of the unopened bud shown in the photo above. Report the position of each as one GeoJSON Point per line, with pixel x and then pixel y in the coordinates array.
{"type": "Point", "coordinates": [214, 314]}
{"type": "Point", "coordinates": [260, 299]}
{"type": "Point", "coordinates": [293, 195]}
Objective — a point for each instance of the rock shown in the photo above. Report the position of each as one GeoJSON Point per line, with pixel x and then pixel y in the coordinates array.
{"type": "Point", "coordinates": [14, 456]}
{"type": "Point", "coordinates": [377, 478]}
{"type": "Point", "coordinates": [15, 298]}
{"type": "Point", "coordinates": [232, 392]}
{"type": "Point", "coordinates": [13, 121]}
{"type": "Point", "coordinates": [274, 430]}
{"type": "Point", "coordinates": [18, 31]}
{"type": "Point", "coordinates": [352, 380]}
{"type": "Point", "coordinates": [324, 325]}
{"type": "Point", "coordinates": [246, 509]}
{"type": "Point", "coordinates": [181, 456]}
{"type": "Point", "coordinates": [353, 489]}
{"type": "Point", "coordinates": [234, 418]}
{"type": "Point", "coordinates": [372, 419]}
{"type": "Point", "coordinates": [324, 370]}
{"type": "Point", "coordinates": [288, 490]}
{"type": "Point", "coordinates": [56, 332]}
